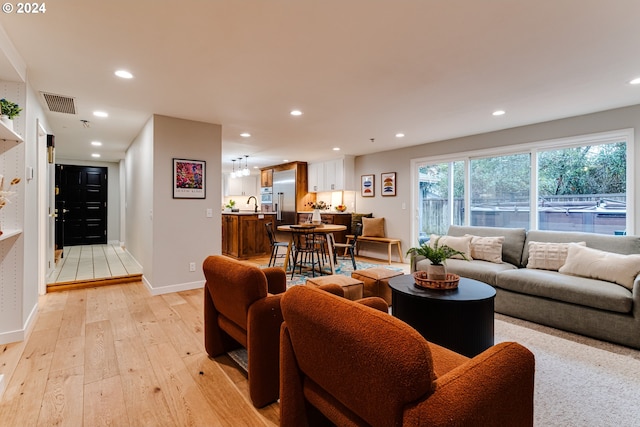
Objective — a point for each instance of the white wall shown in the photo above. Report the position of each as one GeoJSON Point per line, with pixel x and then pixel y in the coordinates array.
{"type": "Point", "coordinates": [113, 194]}
{"type": "Point", "coordinates": [139, 198]}
{"type": "Point", "coordinates": [166, 234]}
{"type": "Point", "coordinates": [398, 220]}
{"type": "Point", "coordinates": [19, 255]}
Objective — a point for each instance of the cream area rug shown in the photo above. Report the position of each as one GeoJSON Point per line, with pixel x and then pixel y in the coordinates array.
{"type": "Point", "coordinates": [579, 381]}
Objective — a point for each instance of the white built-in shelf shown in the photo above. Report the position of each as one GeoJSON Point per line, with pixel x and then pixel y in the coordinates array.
{"type": "Point", "coordinates": [9, 233]}
{"type": "Point", "coordinates": [7, 134]}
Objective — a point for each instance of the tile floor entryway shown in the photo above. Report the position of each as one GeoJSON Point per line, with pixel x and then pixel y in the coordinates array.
{"type": "Point", "coordinates": [93, 265]}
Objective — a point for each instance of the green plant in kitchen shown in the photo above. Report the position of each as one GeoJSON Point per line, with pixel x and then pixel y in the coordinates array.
{"type": "Point", "coordinates": [9, 109]}
{"type": "Point", "coordinates": [230, 204]}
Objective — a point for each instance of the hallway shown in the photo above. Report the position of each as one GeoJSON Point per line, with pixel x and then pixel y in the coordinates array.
{"type": "Point", "coordinates": [93, 265]}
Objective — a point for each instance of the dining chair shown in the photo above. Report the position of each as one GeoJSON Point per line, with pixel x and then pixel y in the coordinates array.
{"type": "Point", "coordinates": [305, 250]}
{"type": "Point", "coordinates": [347, 248]}
{"type": "Point", "coordinates": [275, 245]}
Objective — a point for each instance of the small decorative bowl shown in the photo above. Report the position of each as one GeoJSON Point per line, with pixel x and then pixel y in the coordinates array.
{"type": "Point", "coordinates": [422, 281]}
{"type": "Point", "coordinates": [341, 208]}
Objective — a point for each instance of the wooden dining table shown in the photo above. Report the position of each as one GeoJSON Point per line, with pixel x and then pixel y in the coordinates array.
{"type": "Point", "coordinates": [322, 228]}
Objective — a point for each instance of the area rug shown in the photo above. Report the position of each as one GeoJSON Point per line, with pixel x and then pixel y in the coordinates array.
{"type": "Point", "coordinates": [343, 267]}
{"type": "Point", "coordinates": [579, 381]}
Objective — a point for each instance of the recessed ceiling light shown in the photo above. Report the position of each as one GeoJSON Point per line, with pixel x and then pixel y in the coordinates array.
{"type": "Point", "coordinates": [635, 81]}
{"type": "Point", "coordinates": [245, 134]}
{"type": "Point", "coordinates": [124, 74]}
{"type": "Point", "coordinates": [96, 143]}
{"type": "Point", "coordinates": [498, 113]}
{"type": "Point", "coordinates": [95, 155]}
{"type": "Point", "coordinates": [336, 148]}
{"type": "Point", "coordinates": [296, 113]}
{"type": "Point", "coordinates": [100, 114]}
{"type": "Point", "coordinates": [285, 160]}
{"type": "Point", "coordinates": [400, 135]}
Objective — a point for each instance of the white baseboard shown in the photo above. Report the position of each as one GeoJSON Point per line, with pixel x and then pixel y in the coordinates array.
{"type": "Point", "coordinates": [2, 386]}
{"type": "Point", "coordinates": [172, 288]}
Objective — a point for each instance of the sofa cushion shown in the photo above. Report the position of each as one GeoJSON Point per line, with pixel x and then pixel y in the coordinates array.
{"type": "Point", "coordinates": [597, 264]}
{"type": "Point", "coordinates": [461, 244]}
{"type": "Point", "coordinates": [486, 248]}
{"type": "Point", "coordinates": [616, 244]}
{"type": "Point", "coordinates": [513, 239]}
{"type": "Point", "coordinates": [572, 289]}
{"type": "Point", "coordinates": [548, 255]}
{"type": "Point", "coordinates": [483, 271]}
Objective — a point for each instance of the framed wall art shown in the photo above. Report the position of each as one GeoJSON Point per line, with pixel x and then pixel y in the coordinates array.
{"type": "Point", "coordinates": [388, 183]}
{"type": "Point", "coordinates": [189, 179]}
{"type": "Point", "coordinates": [367, 187]}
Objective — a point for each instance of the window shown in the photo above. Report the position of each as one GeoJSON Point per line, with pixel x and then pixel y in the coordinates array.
{"type": "Point", "coordinates": [500, 191]}
{"type": "Point", "coordinates": [441, 197]}
{"type": "Point", "coordinates": [574, 184]}
{"type": "Point", "coordinates": [583, 188]}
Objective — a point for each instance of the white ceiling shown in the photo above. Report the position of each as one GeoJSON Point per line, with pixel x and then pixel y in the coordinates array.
{"type": "Point", "coordinates": [358, 69]}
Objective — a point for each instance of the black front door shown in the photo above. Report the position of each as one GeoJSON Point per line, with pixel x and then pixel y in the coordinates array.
{"type": "Point", "coordinates": [83, 196]}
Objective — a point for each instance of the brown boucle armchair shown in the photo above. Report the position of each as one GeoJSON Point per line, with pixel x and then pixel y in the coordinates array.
{"type": "Point", "coordinates": [346, 364]}
{"type": "Point", "coordinates": [242, 308]}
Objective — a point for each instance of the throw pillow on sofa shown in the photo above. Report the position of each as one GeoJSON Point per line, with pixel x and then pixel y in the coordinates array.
{"type": "Point", "coordinates": [596, 264]}
{"type": "Point", "coordinates": [373, 227]}
{"type": "Point", "coordinates": [486, 248]}
{"type": "Point", "coordinates": [461, 244]}
{"type": "Point", "coordinates": [548, 255]}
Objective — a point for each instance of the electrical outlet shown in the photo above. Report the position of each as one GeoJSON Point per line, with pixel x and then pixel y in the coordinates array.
{"type": "Point", "coordinates": [192, 266]}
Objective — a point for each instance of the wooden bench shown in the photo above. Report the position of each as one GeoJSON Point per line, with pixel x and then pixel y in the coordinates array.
{"type": "Point", "coordinates": [389, 241]}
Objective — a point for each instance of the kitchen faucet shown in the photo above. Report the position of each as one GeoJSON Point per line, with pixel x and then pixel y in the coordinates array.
{"type": "Point", "coordinates": [255, 201]}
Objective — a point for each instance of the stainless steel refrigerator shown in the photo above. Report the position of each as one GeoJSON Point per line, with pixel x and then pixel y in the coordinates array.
{"type": "Point", "coordinates": [284, 196]}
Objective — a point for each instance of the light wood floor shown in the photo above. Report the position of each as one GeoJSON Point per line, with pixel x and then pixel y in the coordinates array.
{"type": "Point", "coordinates": [115, 355]}
{"type": "Point", "coordinates": [91, 265]}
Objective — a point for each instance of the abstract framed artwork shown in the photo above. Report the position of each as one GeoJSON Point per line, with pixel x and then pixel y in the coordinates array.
{"type": "Point", "coordinates": [388, 180]}
{"type": "Point", "coordinates": [189, 179]}
{"type": "Point", "coordinates": [367, 188]}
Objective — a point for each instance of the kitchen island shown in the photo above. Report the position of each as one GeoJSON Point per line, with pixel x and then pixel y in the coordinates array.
{"type": "Point", "coordinates": [244, 234]}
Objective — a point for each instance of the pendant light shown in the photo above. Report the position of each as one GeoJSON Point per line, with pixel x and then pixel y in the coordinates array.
{"type": "Point", "coordinates": [233, 174]}
{"type": "Point", "coordinates": [246, 170]}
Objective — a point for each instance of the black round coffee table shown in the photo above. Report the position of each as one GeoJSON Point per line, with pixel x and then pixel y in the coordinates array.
{"type": "Point", "coordinates": [459, 319]}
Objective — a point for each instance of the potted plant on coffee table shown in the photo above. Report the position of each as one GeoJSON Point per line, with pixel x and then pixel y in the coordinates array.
{"type": "Point", "coordinates": [438, 255]}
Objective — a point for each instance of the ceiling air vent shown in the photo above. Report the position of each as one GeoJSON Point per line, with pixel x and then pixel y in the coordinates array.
{"type": "Point", "coordinates": [60, 103]}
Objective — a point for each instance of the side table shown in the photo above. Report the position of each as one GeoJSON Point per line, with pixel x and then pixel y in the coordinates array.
{"type": "Point", "coordinates": [459, 319]}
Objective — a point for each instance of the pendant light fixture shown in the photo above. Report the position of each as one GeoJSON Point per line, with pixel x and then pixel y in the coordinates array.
{"type": "Point", "coordinates": [246, 171]}
{"type": "Point", "coordinates": [233, 174]}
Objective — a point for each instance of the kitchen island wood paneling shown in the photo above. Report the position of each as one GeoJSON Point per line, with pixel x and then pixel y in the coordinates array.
{"type": "Point", "coordinates": [244, 234]}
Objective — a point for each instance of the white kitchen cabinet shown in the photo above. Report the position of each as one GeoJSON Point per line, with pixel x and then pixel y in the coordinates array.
{"type": "Point", "coordinates": [332, 175]}
{"type": "Point", "coordinates": [242, 186]}
{"type": "Point", "coordinates": [315, 177]}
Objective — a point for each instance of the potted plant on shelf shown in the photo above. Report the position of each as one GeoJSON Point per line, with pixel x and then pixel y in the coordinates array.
{"type": "Point", "coordinates": [8, 111]}
{"type": "Point", "coordinates": [438, 255]}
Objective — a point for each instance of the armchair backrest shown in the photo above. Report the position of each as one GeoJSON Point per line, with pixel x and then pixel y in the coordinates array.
{"type": "Point", "coordinates": [368, 363]}
{"type": "Point", "coordinates": [234, 286]}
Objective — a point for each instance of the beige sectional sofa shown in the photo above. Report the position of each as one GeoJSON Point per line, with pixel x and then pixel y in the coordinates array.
{"type": "Point", "coordinates": [594, 293]}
